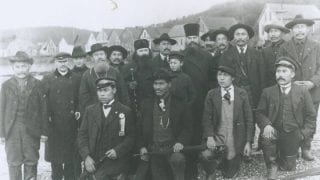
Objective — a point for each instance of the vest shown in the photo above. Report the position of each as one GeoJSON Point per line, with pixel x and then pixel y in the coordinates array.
{"type": "Point", "coordinates": [286, 120]}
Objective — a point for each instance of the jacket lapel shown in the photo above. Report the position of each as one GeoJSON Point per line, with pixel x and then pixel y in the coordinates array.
{"type": "Point", "coordinates": [291, 49]}
{"type": "Point", "coordinates": [295, 99]}
{"type": "Point", "coordinates": [237, 104]}
{"type": "Point", "coordinates": [307, 49]}
{"type": "Point", "coordinates": [113, 112]}
{"type": "Point", "coordinates": [98, 115]}
{"type": "Point", "coordinates": [217, 99]}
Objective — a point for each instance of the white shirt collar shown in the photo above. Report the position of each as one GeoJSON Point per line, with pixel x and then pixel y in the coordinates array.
{"type": "Point", "coordinates": [287, 88]}
{"type": "Point", "coordinates": [106, 111]}
{"type": "Point", "coordinates": [163, 56]}
{"type": "Point", "coordinates": [244, 48]}
{"type": "Point", "coordinates": [231, 91]}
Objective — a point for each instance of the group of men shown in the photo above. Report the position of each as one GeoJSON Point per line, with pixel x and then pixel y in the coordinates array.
{"type": "Point", "coordinates": [178, 115]}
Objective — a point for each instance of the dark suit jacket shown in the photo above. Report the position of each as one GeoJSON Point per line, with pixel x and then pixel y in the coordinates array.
{"type": "Point", "coordinates": [91, 128]}
{"type": "Point", "coordinates": [309, 65]}
{"type": "Point", "coordinates": [159, 63]}
{"type": "Point", "coordinates": [255, 69]}
{"type": "Point", "coordinates": [304, 111]}
{"type": "Point", "coordinates": [242, 116]}
{"type": "Point", "coordinates": [9, 102]}
{"type": "Point", "coordinates": [179, 118]}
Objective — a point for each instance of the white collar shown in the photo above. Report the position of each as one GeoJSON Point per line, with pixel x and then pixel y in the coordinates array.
{"type": "Point", "coordinates": [110, 102]}
{"type": "Point", "coordinates": [287, 88]}
{"type": "Point", "coordinates": [244, 48]}
{"type": "Point", "coordinates": [231, 91]}
{"type": "Point", "coordinates": [163, 57]}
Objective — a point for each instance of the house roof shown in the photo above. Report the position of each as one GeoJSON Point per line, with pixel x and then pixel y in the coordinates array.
{"type": "Point", "coordinates": [177, 31]}
{"type": "Point", "coordinates": [289, 11]}
{"type": "Point", "coordinates": [218, 22]}
{"type": "Point", "coordinates": [110, 31]}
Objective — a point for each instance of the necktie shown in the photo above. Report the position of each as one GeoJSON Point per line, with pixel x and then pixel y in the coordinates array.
{"type": "Point", "coordinates": [227, 95]}
{"type": "Point", "coordinates": [106, 106]}
{"type": "Point", "coordinates": [242, 56]}
{"type": "Point", "coordinates": [283, 89]}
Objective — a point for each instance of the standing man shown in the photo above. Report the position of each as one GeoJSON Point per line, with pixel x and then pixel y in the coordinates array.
{"type": "Point", "coordinates": [275, 31]}
{"type": "Point", "coordinates": [209, 42]}
{"type": "Point", "coordinates": [286, 116]}
{"type": "Point", "coordinates": [196, 65]}
{"type": "Point", "coordinates": [61, 90]}
{"type": "Point", "coordinates": [79, 58]}
{"type": "Point", "coordinates": [221, 37]}
{"type": "Point", "coordinates": [101, 68]}
{"type": "Point", "coordinates": [117, 54]}
{"type": "Point", "coordinates": [306, 53]}
{"type": "Point", "coordinates": [246, 61]}
{"type": "Point", "coordinates": [21, 147]}
{"type": "Point", "coordinates": [165, 128]}
{"type": "Point", "coordinates": [138, 73]}
{"type": "Point", "coordinates": [164, 43]}
{"type": "Point", "coordinates": [107, 133]}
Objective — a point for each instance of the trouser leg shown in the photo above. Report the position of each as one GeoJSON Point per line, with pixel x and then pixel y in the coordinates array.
{"type": "Point", "coordinates": [57, 171]}
{"type": "Point", "coordinates": [68, 171]}
{"type": "Point", "coordinates": [160, 168]}
{"type": "Point", "coordinates": [177, 162]}
{"type": "Point", "coordinates": [288, 147]}
{"type": "Point", "coordinates": [269, 148]}
{"type": "Point", "coordinates": [15, 172]}
{"type": "Point", "coordinates": [231, 167]}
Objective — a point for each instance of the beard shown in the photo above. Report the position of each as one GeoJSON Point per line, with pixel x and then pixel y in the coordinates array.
{"type": "Point", "coordinates": [144, 60]}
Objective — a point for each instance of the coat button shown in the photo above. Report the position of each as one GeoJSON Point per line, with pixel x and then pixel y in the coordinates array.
{"type": "Point", "coordinates": [71, 102]}
{"type": "Point", "coordinates": [72, 112]}
{"type": "Point", "coordinates": [58, 91]}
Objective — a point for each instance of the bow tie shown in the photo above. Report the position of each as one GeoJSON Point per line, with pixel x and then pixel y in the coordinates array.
{"type": "Point", "coordinates": [106, 106]}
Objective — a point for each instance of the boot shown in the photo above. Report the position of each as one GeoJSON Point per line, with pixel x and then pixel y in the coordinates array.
{"type": "Point", "coordinates": [272, 172]}
{"type": "Point", "coordinates": [212, 176]}
{"type": "Point", "coordinates": [288, 163]}
{"type": "Point", "coordinates": [15, 172]}
{"type": "Point", "coordinates": [30, 172]}
{"type": "Point", "coordinates": [306, 155]}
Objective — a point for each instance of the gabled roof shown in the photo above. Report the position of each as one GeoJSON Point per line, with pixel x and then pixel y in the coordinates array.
{"type": "Point", "coordinates": [289, 11]}
{"type": "Point", "coordinates": [218, 22]}
{"type": "Point", "coordinates": [110, 31]}
{"type": "Point", "coordinates": [177, 31]}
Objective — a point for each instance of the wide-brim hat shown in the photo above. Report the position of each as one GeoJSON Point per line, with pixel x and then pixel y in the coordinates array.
{"type": "Point", "coordinates": [78, 52]}
{"type": "Point", "coordinates": [105, 82]}
{"type": "Point", "coordinates": [97, 47]}
{"type": "Point", "coordinates": [228, 70]}
{"type": "Point", "coordinates": [299, 19]}
{"type": "Point", "coordinates": [191, 29]}
{"type": "Point", "coordinates": [286, 62]}
{"type": "Point", "coordinates": [141, 43]}
{"type": "Point", "coordinates": [118, 48]}
{"type": "Point", "coordinates": [238, 26]}
{"type": "Point", "coordinates": [164, 37]}
{"type": "Point", "coordinates": [21, 56]}
{"type": "Point", "coordinates": [221, 30]}
{"type": "Point", "coordinates": [206, 35]}
{"type": "Point", "coordinates": [176, 55]}
{"type": "Point", "coordinates": [276, 25]}
{"type": "Point", "coordinates": [162, 73]}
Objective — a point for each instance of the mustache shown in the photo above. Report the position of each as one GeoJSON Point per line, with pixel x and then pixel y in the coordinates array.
{"type": "Point", "coordinates": [280, 78]}
{"type": "Point", "coordinates": [166, 49]}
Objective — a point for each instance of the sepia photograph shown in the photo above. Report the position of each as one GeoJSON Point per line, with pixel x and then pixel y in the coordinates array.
{"type": "Point", "coordinates": [159, 89]}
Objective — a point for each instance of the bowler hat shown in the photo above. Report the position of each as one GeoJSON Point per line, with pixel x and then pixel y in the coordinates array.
{"type": "Point", "coordinates": [191, 29]}
{"type": "Point", "coordinates": [299, 19]}
{"type": "Point", "coordinates": [118, 48]}
{"type": "Point", "coordinates": [21, 56]}
{"type": "Point", "coordinates": [105, 82]}
{"type": "Point", "coordinates": [207, 34]}
{"type": "Point", "coordinates": [238, 26]}
{"type": "Point", "coordinates": [228, 70]}
{"type": "Point", "coordinates": [164, 37]}
{"type": "Point", "coordinates": [221, 30]}
{"type": "Point", "coordinates": [141, 43]}
{"type": "Point", "coordinates": [162, 74]}
{"type": "Point", "coordinates": [97, 47]}
{"type": "Point", "coordinates": [78, 52]}
{"type": "Point", "coordinates": [276, 25]}
{"type": "Point", "coordinates": [287, 62]}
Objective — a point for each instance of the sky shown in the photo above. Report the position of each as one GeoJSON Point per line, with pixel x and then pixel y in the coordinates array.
{"type": "Point", "coordinates": [96, 14]}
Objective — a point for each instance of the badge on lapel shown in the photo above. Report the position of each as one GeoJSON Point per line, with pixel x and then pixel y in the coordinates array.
{"type": "Point", "coordinates": [122, 124]}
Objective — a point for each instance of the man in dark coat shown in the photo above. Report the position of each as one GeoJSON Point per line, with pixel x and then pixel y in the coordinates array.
{"type": "Point", "coordinates": [196, 65]}
{"type": "Point", "coordinates": [138, 73]}
{"type": "Point", "coordinates": [117, 55]}
{"type": "Point", "coordinates": [275, 32]}
{"type": "Point", "coordinates": [21, 147]}
{"type": "Point", "coordinates": [61, 90]}
{"type": "Point", "coordinates": [247, 62]}
{"type": "Point", "coordinates": [165, 43]}
{"type": "Point", "coordinates": [306, 52]}
{"type": "Point", "coordinates": [101, 68]}
{"type": "Point", "coordinates": [227, 122]}
{"type": "Point", "coordinates": [107, 133]}
{"type": "Point", "coordinates": [286, 116]}
{"type": "Point", "coordinates": [79, 57]}
{"type": "Point", "coordinates": [221, 37]}
{"type": "Point", "coordinates": [209, 42]}
{"type": "Point", "coordinates": [165, 127]}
